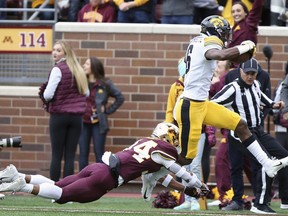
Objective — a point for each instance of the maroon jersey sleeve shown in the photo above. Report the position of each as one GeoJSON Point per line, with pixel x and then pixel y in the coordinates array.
{"type": "Point", "coordinates": [136, 159]}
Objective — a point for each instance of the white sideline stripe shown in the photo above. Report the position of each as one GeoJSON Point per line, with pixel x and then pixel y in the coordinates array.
{"type": "Point", "coordinates": [52, 209]}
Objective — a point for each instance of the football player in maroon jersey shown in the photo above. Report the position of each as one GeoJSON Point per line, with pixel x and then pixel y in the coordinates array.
{"type": "Point", "coordinates": [147, 155]}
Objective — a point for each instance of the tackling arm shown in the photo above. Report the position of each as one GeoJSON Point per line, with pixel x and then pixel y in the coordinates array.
{"type": "Point", "coordinates": [169, 164]}
{"type": "Point", "coordinates": [179, 171]}
{"type": "Point", "coordinates": [169, 181]}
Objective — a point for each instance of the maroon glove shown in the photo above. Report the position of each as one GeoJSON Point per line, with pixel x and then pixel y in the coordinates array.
{"type": "Point", "coordinates": [40, 93]}
{"type": "Point", "coordinates": [224, 132]}
{"type": "Point", "coordinates": [204, 190]}
{"type": "Point", "coordinates": [210, 132]}
{"type": "Point", "coordinates": [192, 191]}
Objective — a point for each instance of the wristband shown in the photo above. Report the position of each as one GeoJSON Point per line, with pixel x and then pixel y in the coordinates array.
{"type": "Point", "coordinates": [167, 180]}
{"type": "Point", "coordinates": [194, 182]}
{"type": "Point", "coordinates": [181, 172]}
{"type": "Point", "coordinates": [243, 48]}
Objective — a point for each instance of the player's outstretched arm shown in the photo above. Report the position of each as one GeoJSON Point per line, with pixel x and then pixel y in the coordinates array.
{"type": "Point", "coordinates": [245, 50]}
{"type": "Point", "coordinates": [169, 181]}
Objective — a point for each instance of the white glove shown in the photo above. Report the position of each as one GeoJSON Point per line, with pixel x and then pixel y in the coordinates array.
{"type": "Point", "coordinates": [250, 43]}
{"type": "Point", "coordinates": [251, 46]}
{"type": "Point", "coordinates": [105, 157]}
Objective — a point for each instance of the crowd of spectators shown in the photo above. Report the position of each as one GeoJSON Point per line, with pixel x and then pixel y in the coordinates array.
{"type": "Point", "coordinates": [275, 12]}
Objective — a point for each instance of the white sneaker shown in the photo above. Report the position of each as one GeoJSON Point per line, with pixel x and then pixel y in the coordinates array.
{"type": "Point", "coordinates": [148, 185]}
{"type": "Point", "coordinates": [195, 206]}
{"type": "Point", "coordinates": [284, 206]}
{"type": "Point", "coordinates": [284, 161]}
{"type": "Point", "coordinates": [2, 196]}
{"type": "Point", "coordinates": [184, 206]}
{"type": "Point", "coordinates": [214, 203]}
{"type": "Point", "coordinates": [14, 186]}
{"type": "Point", "coordinates": [9, 174]}
{"type": "Point", "coordinates": [262, 209]}
{"type": "Point", "coordinates": [273, 166]}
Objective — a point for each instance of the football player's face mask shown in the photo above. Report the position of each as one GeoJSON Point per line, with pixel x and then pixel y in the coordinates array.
{"type": "Point", "coordinates": [167, 132]}
{"type": "Point", "coordinates": [173, 137]}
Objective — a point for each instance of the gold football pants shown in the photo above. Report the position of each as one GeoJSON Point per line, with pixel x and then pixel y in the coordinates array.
{"type": "Point", "coordinates": [190, 115]}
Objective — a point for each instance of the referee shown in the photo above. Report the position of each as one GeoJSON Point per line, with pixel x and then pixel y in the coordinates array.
{"type": "Point", "coordinates": [245, 97]}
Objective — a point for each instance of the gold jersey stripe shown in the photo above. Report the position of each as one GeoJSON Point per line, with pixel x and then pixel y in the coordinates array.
{"type": "Point", "coordinates": [212, 40]}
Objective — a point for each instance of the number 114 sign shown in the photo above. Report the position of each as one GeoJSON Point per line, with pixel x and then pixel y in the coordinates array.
{"type": "Point", "coordinates": [26, 40]}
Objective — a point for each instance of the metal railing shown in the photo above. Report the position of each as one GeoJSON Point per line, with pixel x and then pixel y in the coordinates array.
{"type": "Point", "coordinates": [31, 19]}
{"type": "Point", "coordinates": [26, 68]}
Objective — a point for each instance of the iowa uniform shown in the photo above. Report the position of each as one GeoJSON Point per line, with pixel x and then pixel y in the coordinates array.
{"type": "Point", "coordinates": [194, 109]}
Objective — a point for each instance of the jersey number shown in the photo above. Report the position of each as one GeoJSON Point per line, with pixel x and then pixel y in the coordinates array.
{"type": "Point", "coordinates": [142, 150]}
{"type": "Point", "coordinates": [188, 57]}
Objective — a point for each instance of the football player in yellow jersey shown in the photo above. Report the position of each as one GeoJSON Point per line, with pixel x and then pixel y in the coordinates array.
{"type": "Point", "coordinates": [194, 109]}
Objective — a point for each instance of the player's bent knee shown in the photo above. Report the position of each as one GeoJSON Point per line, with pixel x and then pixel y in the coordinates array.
{"type": "Point", "coordinates": [242, 129]}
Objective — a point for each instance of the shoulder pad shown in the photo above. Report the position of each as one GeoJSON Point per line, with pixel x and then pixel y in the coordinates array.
{"type": "Point", "coordinates": [210, 40]}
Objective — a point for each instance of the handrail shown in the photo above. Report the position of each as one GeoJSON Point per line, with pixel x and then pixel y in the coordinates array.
{"type": "Point", "coordinates": [52, 22]}
{"type": "Point", "coordinates": [26, 9]}
{"type": "Point", "coordinates": [35, 14]}
{"type": "Point", "coordinates": [31, 19]}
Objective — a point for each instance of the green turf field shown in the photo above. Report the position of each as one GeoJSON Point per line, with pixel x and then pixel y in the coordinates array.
{"type": "Point", "coordinates": [27, 205]}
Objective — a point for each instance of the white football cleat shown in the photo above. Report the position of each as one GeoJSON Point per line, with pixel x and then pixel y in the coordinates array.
{"type": "Point", "coordinates": [148, 185]}
{"type": "Point", "coordinates": [184, 206]}
{"type": "Point", "coordinates": [2, 196]}
{"type": "Point", "coordinates": [273, 166]}
{"type": "Point", "coordinates": [9, 174]}
{"type": "Point", "coordinates": [284, 161]}
{"type": "Point", "coordinates": [214, 203]}
{"type": "Point", "coordinates": [195, 206]}
{"type": "Point", "coordinates": [284, 206]}
{"type": "Point", "coordinates": [14, 186]}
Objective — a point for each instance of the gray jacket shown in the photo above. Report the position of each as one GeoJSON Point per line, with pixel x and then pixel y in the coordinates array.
{"type": "Point", "coordinates": [109, 90]}
{"type": "Point", "coordinates": [284, 94]}
{"type": "Point", "coordinates": [210, 4]}
{"type": "Point", "coordinates": [177, 7]}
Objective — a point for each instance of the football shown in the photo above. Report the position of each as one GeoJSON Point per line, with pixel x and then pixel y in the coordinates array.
{"type": "Point", "coordinates": [242, 58]}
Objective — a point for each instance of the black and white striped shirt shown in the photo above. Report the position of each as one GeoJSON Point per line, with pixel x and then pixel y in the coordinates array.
{"type": "Point", "coordinates": [244, 100]}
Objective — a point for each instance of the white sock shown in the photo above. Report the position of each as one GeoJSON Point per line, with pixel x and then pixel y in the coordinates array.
{"type": "Point", "coordinates": [22, 175]}
{"type": "Point", "coordinates": [39, 179]}
{"type": "Point", "coordinates": [49, 191]}
{"type": "Point", "coordinates": [27, 188]}
{"type": "Point", "coordinates": [258, 153]}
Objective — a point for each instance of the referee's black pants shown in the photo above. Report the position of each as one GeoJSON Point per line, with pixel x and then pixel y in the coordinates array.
{"type": "Point", "coordinates": [261, 183]}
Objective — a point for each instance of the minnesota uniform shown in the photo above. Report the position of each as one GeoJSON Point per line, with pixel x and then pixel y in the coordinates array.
{"type": "Point", "coordinates": [96, 179]}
